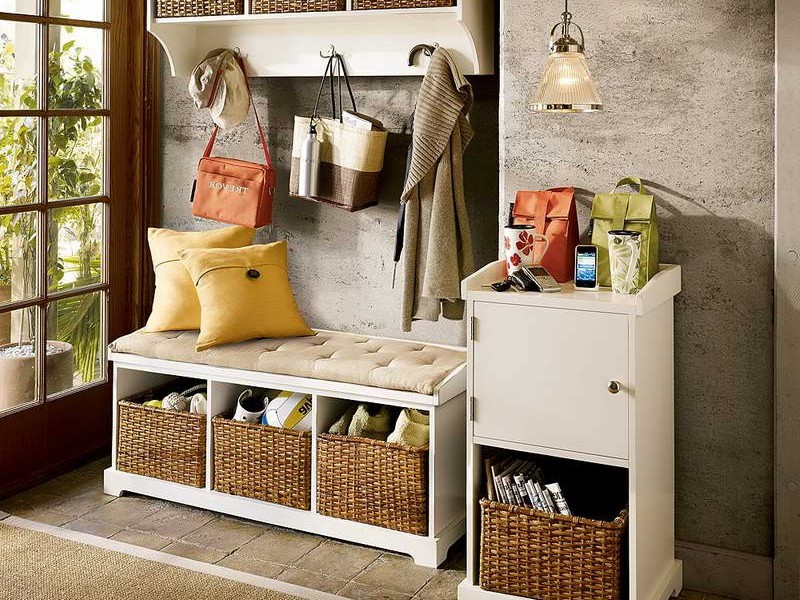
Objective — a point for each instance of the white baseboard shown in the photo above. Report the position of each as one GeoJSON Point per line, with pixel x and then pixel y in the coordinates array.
{"type": "Point", "coordinates": [725, 572]}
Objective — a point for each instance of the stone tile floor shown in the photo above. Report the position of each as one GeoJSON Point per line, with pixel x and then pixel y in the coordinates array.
{"type": "Point", "coordinates": [76, 501]}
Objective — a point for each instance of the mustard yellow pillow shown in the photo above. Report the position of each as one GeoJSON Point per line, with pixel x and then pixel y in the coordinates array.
{"type": "Point", "coordinates": [175, 304]}
{"type": "Point", "coordinates": [244, 294]}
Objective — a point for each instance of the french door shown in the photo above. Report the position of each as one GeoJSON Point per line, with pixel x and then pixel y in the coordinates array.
{"type": "Point", "coordinates": [70, 77]}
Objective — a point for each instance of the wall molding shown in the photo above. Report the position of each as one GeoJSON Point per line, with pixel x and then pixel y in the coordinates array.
{"type": "Point", "coordinates": [725, 572]}
{"type": "Point", "coordinates": [787, 300]}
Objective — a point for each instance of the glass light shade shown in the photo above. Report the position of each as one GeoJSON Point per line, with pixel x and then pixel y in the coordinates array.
{"type": "Point", "coordinates": [566, 85]}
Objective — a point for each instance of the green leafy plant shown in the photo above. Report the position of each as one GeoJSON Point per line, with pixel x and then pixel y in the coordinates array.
{"type": "Point", "coordinates": [74, 167]}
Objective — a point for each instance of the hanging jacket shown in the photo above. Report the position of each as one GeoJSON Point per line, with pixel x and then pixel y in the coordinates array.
{"type": "Point", "coordinates": [437, 251]}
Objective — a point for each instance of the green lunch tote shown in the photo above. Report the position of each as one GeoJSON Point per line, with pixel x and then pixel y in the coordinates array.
{"type": "Point", "coordinates": [636, 212]}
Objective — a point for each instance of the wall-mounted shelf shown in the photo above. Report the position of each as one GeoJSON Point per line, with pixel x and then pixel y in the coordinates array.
{"type": "Point", "coordinates": [373, 42]}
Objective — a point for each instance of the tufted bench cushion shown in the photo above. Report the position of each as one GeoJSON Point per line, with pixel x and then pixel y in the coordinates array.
{"type": "Point", "coordinates": [333, 356]}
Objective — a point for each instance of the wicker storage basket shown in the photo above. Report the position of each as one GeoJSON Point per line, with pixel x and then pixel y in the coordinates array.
{"type": "Point", "coordinates": [262, 462]}
{"type": "Point", "coordinates": [164, 444]}
{"type": "Point", "coordinates": [198, 8]}
{"type": "Point", "coordinates": [373, 482]}
{"type": "Point", "coordinates": [296, 6]}
{"type": "Point", "coordinates": [381, 4]}
{"type": "Point", "coordinates": [529, 553]}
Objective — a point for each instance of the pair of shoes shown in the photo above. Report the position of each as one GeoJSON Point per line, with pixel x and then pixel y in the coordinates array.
{"type": "Point", "coordinates": [412, 429]}
{"type": "Point", "coordinates": [374, 422]}
{"type": "Point", "coordinates": [365, 424]}
{"type": "Point", "coordinates": [183, 401]}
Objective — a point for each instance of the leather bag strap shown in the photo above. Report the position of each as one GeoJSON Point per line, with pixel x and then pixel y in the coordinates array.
{"type": "Point", "coordinates": [335, 68]}
{"type": "Point", "coordinates": [631, 181]}
{"type": "Point", "coordinates": [261, 134]}
{"type": "Point", "coordinates": [540, 214]}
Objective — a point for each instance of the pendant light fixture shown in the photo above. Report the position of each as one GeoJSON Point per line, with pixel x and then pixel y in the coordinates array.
{"type": "Point", "coordinates": [566, 85]}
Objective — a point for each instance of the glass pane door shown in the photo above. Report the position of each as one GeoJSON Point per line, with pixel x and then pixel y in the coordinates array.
{"type": "Point", "coordinates": [54, 206]}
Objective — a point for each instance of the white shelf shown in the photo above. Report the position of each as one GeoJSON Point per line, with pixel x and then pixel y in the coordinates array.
{"type": "Point", "coordinates": [373, 42]}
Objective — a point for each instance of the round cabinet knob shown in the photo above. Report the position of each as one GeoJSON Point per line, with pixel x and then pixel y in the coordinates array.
{"type": "Point", "coordinates": [614, 386]}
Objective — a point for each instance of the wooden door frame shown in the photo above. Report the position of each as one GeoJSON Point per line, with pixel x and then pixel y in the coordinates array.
{"type": "Point", "coordinates": [786, 573]}
{"type": "Point", "coordinates": [44, 440]}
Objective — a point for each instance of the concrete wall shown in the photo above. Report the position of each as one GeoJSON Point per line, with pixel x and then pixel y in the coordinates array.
{"type": "Point", "coordinates": [340, 263]}
{"type": "Point", "coordinates": [688, 88]}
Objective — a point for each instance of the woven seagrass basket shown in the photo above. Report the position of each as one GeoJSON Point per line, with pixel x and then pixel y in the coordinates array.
{"type": "Point", "coordinates": [384, 4]}
{"type": "Point", "coordinates": [163, 444]}
{"type": "Point", "coordinates": [262, 462]}
{"type": "Point", "coordinates": [526, 552]}
{"type": "Point", "coordinates": [296, 6]}
{"type": "Point", "coordinates": [373, 482]}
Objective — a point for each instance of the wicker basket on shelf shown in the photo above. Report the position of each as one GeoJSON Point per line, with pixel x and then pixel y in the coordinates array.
{"type": "Point", "coordinates": [385, 4]}
{"type": "Point", "coordinates": [262, 462]}
{"type": "Point", "coordinates": [526, 552]}
{"type": "Point", "coordinates": [296, 6]}
{"type": "Point", "coordinates": [163, 444]}
{"type": "Point", "coordinates": [373, 482]}
{"type": "Point", "coordinates": [198, 8]}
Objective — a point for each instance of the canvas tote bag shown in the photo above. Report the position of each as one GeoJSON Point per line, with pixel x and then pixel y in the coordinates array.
{"type": "Point", "coordinates": [351, 158]}
{"type": "Point", "coordinates": [636, 212]}
{"type": "Point", "coordinates": [231, 190]}
{"type": "Point", "coordinates": [554, 214]}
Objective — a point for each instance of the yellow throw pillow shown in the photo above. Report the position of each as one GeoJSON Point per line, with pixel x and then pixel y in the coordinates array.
{"type": "Point", "coordinates": [244, 294]}
{"type": "Point", "coordinates": [175, 304]}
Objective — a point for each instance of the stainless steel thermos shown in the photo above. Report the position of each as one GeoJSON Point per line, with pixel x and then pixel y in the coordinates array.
{"type": "Point", "coordinates": [308, 184]}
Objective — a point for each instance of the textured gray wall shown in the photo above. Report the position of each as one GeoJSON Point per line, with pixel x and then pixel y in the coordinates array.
{"type": "Point", "coordinates": [340, 263]}
{"type": "Point", "coordinates": [688, 92]}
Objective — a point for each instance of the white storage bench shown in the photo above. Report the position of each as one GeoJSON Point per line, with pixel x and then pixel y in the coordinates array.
{"type": "Point", "coordinates": [335, 369]}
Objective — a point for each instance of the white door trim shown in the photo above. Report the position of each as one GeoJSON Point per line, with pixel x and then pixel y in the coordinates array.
{"type": "Point", "coordinates": [787, 300]}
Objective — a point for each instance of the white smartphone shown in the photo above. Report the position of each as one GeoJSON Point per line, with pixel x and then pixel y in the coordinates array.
{"type": "Point", "coordinates": [586, 267]}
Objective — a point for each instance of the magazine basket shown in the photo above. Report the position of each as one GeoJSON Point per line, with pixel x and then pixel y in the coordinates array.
{"type": "Point", "coordinates": [262, 462]}
{"type": "Point", "coordinates": [526, 552]}
{"type": "Point", "coordinates": [296, 6]}
{"type": "Point", "coordinates": [198, 8]}
{"type": "Point", "coordinates": [163, 444]}
{"type": "Point", "coordinates": [373, 482]}
{"type": "Point", "coordinates": [384, 4]}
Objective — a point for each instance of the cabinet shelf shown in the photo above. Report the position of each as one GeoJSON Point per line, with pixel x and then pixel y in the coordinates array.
{"type": "Point", "coordinates": [373, 42]}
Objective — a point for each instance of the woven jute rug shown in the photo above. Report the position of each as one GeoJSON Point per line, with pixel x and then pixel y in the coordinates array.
{"type": "Point", "coordinates": [40, 562]}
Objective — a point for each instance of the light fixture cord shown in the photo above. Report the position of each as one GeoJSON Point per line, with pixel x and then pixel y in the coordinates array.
{"type": "Point", "coordinates": [566, 17]}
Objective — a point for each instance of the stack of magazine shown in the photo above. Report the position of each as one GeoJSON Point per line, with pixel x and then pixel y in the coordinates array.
{"type": "Point", "coordinates": [519, 482]}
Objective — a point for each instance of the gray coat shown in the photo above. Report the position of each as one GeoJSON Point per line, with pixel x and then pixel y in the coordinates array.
{"type": "Point", "coordinates": [437, 252]}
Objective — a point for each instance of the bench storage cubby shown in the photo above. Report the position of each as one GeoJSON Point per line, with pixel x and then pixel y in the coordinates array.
{"type": "Point", "coordinates": [402, 499]}
{"type": "Point", "coordinates": [374, 482]}
{"type": "Point", "coordinates": [163, 444]}
{"type": "Point", "coordinates": [262, 462]}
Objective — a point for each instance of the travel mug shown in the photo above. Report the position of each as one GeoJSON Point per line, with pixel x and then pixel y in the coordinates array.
{"type": "Point", "coordinates": [249, 407]}
{"type": "Point", "coordinates": [624, 248]}
{"type": "Point", "coordinates": [519, 245]}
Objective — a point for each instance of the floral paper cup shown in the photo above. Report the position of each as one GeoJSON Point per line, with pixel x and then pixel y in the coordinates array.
{"type": "Point", "coordinates": [519, 246]}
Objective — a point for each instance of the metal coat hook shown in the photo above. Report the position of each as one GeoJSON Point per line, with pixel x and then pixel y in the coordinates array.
{"type": "Point", "coordinates": [426, 49]}
{"type": "Point", "coordinates": [329, 52]}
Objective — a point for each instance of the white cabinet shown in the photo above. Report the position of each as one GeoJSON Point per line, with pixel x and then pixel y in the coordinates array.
{"type": "Point", "coordinates": [544, 374]}
{"type": "Point", "coordinates": [584, 376]}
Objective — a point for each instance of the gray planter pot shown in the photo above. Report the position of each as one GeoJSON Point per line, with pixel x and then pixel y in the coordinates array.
{"type": "Point", "coordinates": [18, 375]}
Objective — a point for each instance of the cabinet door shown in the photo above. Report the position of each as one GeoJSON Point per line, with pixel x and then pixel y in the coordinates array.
{"type": "Point", "coordinates": [541, 376]}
